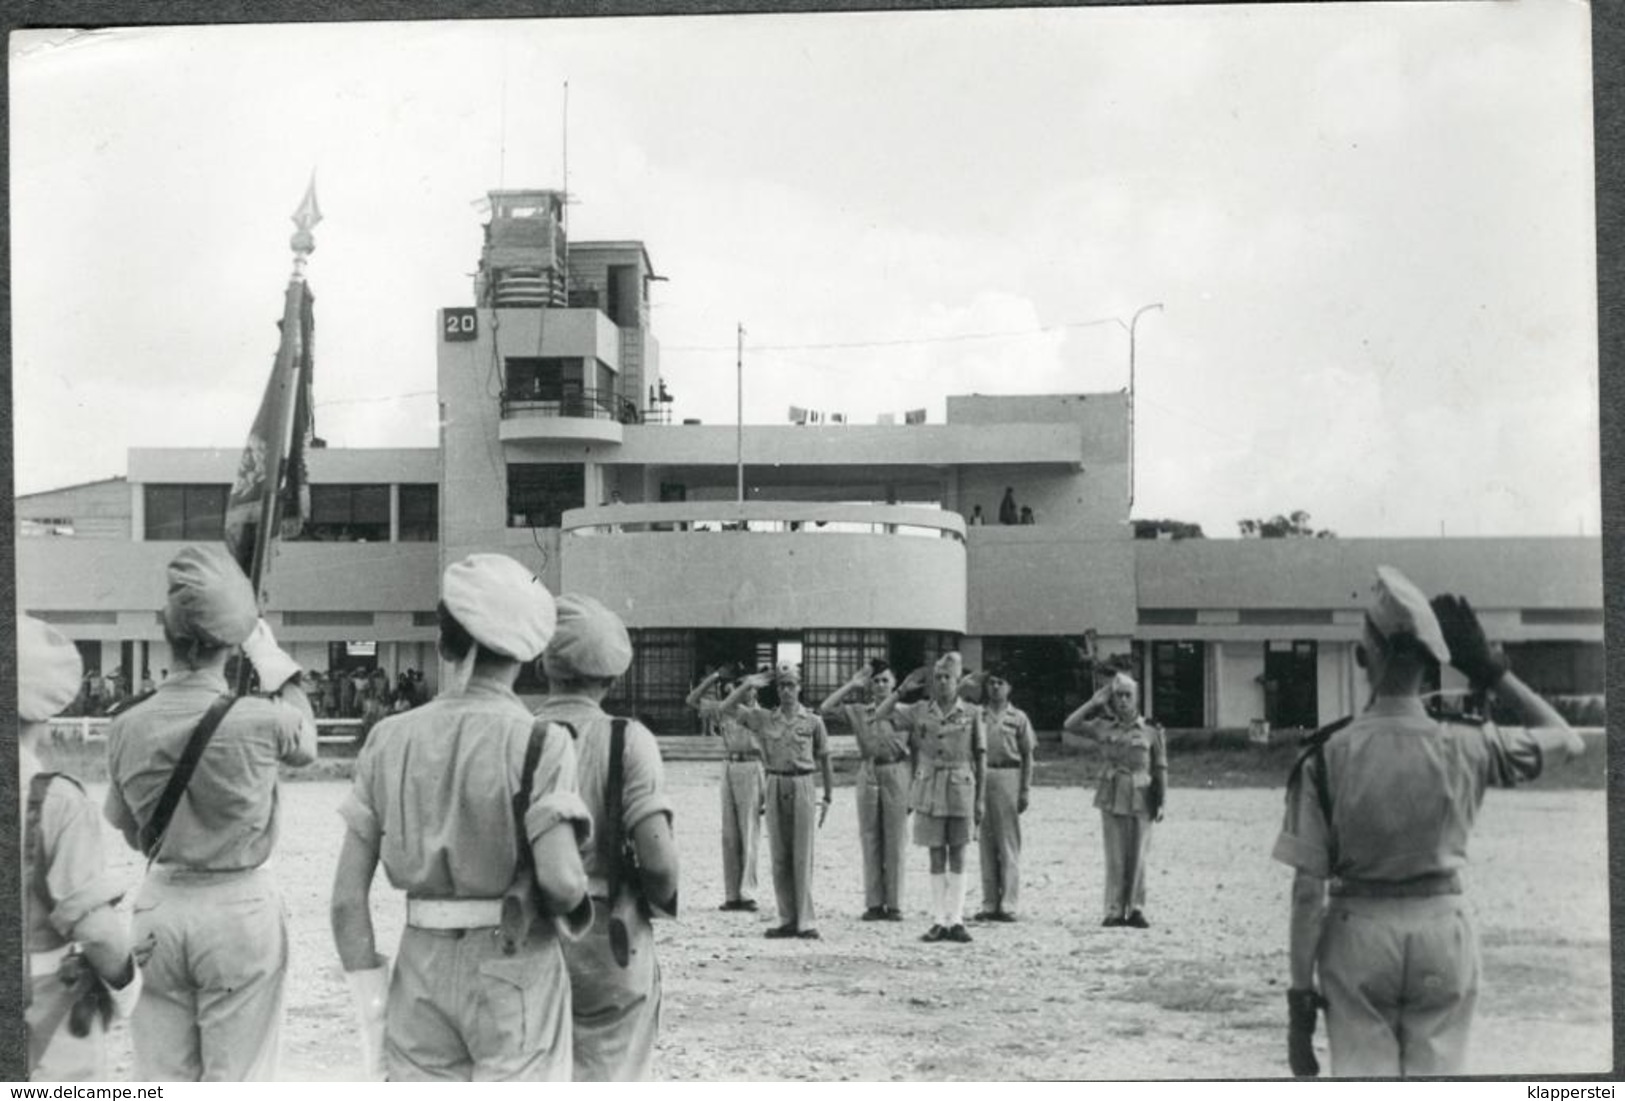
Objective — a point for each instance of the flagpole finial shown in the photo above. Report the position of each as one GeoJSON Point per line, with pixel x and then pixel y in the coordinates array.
{"type": "Point", "coordinates": [303, 242]}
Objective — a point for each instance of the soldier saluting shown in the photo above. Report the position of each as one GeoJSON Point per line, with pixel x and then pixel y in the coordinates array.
{"type": "Point", "coordinates": [1379, 810]}
{"type": "Point", "coordinates": [209, 908]}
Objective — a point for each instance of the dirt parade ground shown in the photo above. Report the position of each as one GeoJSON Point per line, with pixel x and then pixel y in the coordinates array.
{"type": "Point", "coordinates": [1054, 996]}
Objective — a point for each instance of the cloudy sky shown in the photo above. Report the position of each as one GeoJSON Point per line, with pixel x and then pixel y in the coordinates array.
{"type": "Point", "coordinates": [1370, 227]}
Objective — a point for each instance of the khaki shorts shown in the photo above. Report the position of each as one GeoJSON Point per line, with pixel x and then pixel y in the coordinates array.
{"type": "Point", "coordinates": [935, 832]}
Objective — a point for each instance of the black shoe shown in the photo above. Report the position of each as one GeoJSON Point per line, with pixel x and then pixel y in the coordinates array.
{"type": "Point", "coordinates": [1003, 915]}
{"type": "Point", "coordinates": [746, 904]}
{"type": "Point", "coordinates": [1137, 920]}
{"type": "Point", "coordinates": [874, 913]}
{"type": "Point", "coordinates": [894, 915]}
{"type": "Point", "coordinates": [1112, 922]}
{"type": "Point", "coordinates": [986, 915]}
{"type": "Point", "coordinates": [779, 931]}
{"type": "Point", "coordinates": [809, 934]}
{"type": "Point", "coordinates": [934, 934]}
{"type": "Point", "coordinates": [958, 934]}
{"type": "Point", "coordinates": [731, 904]}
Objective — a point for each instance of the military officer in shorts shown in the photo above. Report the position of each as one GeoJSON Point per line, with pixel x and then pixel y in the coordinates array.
{"type": "Point", "coordinates": [76, 946]}
{"type": "Point", "coordinates": [948, 753]}
{"type": "Point", "coordinates": [210, 908]}
{"type": "Point", "coordinates": [471, 807]}
{"type": "Point", "coordinates": [1379, 811]}
{"type": "Point", "coordinates": [615, 1006]}
{"type": "Point", "coordinates": [743, 784]}
{"type": "Point", "coordinates": [794, 745]}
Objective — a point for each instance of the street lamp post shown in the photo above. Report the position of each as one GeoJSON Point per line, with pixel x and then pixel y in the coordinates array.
{"type": "Point", "coordinates": [1131, 326]}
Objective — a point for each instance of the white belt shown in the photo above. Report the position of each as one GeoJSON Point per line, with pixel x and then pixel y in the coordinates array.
{"type": "Point", "coordinates": [453, 913]}
{"type": "Point", "coordinates": [46, 963]}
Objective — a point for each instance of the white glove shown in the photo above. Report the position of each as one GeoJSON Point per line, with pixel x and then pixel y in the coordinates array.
{"type": "Point", "coordinates": [271, 662]}
{"type": "Point", "coordinates": [124, 997]}
{"type": "Point", "coordinates": [370, 991]}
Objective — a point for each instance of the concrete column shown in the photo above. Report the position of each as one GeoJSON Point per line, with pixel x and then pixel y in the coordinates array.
{"type": "Point", "coordinates": [138, 511]}
{"type": "Point", "coordinates": [1215, 677]}
{"type": "Point", "coordinates": [394, 512]}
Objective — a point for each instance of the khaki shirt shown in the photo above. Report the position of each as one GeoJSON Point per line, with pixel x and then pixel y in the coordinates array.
{"type": "Point", "coordinates": [789, 742]}
{"type": "Point", "coordinates": [228, 818]}
{"type": "Point", "coordinates": [877, 741]}
{"type": "Point", "coordinates": [1129, 752]}
{"type": "Point", "coordinates": [434, 790]}
{"type": "Point", "coordinates": [736, 738]}
{"type": "Point", "coordinates": [643, 781]}
{"type": "Point", "coordinates": [72, 867]}
{"type": "Point", "coordinates": [1405, 789]}
{"type": "Point", "coordinates": [947, 743]}
{"type": "Point", "coordinates": [1010, 736]}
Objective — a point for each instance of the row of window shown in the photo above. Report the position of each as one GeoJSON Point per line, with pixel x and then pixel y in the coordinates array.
{"type": "Point", "coordinates": [338, 513]}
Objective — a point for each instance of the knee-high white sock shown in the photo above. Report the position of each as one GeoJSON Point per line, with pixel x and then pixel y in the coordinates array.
{"type": "Point", "coordinates": [956, 898]}
{"type": "Point", "coordinates": [939, 898]}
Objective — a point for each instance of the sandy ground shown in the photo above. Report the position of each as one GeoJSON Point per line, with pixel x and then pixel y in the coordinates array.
{"type": "Point", "coordinates": [1054, 996]}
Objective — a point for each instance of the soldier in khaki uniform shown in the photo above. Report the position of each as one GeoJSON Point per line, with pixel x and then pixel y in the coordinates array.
{"type": "Point", "coordinates": [210, 908]}
{"type": "Point", "coordinates": [616, 1009]}
{"type": "Point", "coordinates": [1131, 793]}
{"type": "Point", "coordinates": [948, 753]}
{"type": "Point", "coordinates": [794, 745]}
{"type": "Point", "coordinates": [1379, 810]}
{"type": "Point", "coordinates": [881, 791]}
{"type": "Point", "coordinates": [1011, 744]}
{"type": "Point", "coordinates": [742, 793]}
{"type": "Point", "coordinates": [68, 895]}
{"type": "Point", "coordinates": [480, 990]}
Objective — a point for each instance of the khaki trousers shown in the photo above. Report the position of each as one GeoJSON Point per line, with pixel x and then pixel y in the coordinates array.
{"type": "Point", "coordinates": [460, 1010]}
{"type": "Point", "coordinates": [741, 828]}
{"type": "Point", "coordinates": [882, 798]}
{"type": "Point", "coordinates": [615, 1010]}
{"type": "Point", "coordinates": [1400, 976]}
{"type": "Point", "coordinates": [211, 1003]}
{"type": "Point", "coordinates": [1128, 840]}
{"type": "Point", "coordinates": [791, 824]}
{"type": "Point", "coordinates": [1001, 841]}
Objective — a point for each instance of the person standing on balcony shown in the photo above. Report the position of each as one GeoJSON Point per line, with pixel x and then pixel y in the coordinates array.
{"type": "Point", "coordinates": [948, 761]}
{"type": "Point", "coordinates": [1008, 512]}
{"type": "Point", "coordinates": [743, 784]}
{"type": "Point", "coordinates": [210, 908]}
{"type": "Point", "coordinates": [1379, 810]}
{"type": "Point", "coordinates": [1131, 793]}
{"type": "Point", "coordinates": [615, 983]}
{"type": "Point", "coordinates": [793, 742]}
{"type": "Point", "coordinates": [1010, 747]}
{"type": "Point", "coordinates": [882, 788]}
{"type": "Point", "coordinates": [976, 518]}
{"type": "Point", "coordinates": [76, 946]}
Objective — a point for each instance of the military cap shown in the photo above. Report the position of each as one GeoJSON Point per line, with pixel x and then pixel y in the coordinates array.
{"type": "Point", "coordinates": [210, 599]}
{"type": "Point", "coordinates": [501, 604]}
{"type": "Point", "coordinates": [1399, 608]}
{"type": "Point", "coordinates": [591, 641]}
{"type": "Point", "coordinates": [48, 670]}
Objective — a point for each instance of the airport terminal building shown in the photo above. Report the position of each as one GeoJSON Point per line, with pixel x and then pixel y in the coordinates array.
{"type": "Point", "coordinates": [822, 543]}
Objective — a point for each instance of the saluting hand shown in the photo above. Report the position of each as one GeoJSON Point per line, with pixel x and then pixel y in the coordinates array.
{"type": "Point", "coordinates": [915, 679]}
{"type": "Point", "coordinates": [759, 680]}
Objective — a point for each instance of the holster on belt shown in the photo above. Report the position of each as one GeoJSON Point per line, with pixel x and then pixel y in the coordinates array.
{"type": "Point", "coordinates": [91, 998]}
{"type": "Point", "coordinates": [521, 907]}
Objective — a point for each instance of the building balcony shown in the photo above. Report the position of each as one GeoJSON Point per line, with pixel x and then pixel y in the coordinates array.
{"type": "Point", "coordinates": [571, 414]}
{"type": "Point", "coordinates": [769, 565]}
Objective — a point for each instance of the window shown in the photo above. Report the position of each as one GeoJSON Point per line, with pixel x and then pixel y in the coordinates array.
{"type": "Point", "coordinates": [655, 686]}
{"type": "Point", "coordinates": [420, 513]}
{"type": "Point", "coordinates": [539, 493]}
{"type": "Point", "coordinates": [541, 378]}
{"type": "Point", "coordinates": [349, 513]}
{"type": "Point", "coordinates": [830, 657]}
{"type": "Point", "coordinates": [190, 512]}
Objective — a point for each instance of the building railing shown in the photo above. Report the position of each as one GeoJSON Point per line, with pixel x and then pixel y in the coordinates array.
{"type": "Point", "coordinates": [589, 404]}
{"type": "Point", "coordinates": [757, 517]}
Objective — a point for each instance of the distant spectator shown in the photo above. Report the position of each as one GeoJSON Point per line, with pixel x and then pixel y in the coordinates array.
{"type": "Point", "coordinates": [1008, 513]}
{"type": "Point", "coordinates": [1027, 515]}
{"type": "Point", "coordinates": [976, 518]}
{"type": "Point", "coordinates": [146, 681]}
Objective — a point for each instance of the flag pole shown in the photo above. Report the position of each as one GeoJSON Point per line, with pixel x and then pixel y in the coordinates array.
{"type": "Point", "coordinates": [286, 386]}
